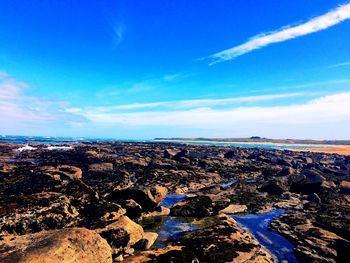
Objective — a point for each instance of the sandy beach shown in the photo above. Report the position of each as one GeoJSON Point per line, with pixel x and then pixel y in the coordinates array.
{"type": "Point", "coordinates": [336, 149]}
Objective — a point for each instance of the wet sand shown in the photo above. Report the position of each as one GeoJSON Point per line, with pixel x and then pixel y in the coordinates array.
{"type": "Point", "coordinates": [339, 149]}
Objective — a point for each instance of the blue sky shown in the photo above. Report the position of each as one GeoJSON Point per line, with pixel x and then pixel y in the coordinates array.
{"type": "Point", "coordinates": [143, 69]}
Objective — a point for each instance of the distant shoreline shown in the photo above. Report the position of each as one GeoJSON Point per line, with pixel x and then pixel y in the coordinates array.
{"type": "Point", "coordinates": [342, 149]}
{"type": "Point", "coordinates": [261, 141]}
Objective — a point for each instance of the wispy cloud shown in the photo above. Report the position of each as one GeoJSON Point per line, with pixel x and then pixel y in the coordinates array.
{"type": "Point", "coordinates": [145, 85]}
{"type": "Point", "coordinates": [316, 24]}
{"type": "Point", "coordinates": [180, 104]}
{"type": "Point", "coordinates": [119, 30]}
{"type": "Point", "coordinates": [344, 64]}
{"type": "Point", "coordinates": [318, 118]}
{"type": "Point", "coordinates": [16, 107]}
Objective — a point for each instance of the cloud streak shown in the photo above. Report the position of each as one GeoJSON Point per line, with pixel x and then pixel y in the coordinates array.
{"type": "Point", "coordinates": [344, 64]}
{"type": "Point", "coordinates": [180, 104]}
{"type": "Point", "coordinates": [327, 112]}
{"type": "Point", "coordinates": [316, 24]}
{"type": "Point", "coordinates": [17, 108]}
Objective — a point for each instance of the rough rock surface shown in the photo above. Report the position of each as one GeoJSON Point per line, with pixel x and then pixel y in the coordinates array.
{"type": "Point", "coordinates": [221, 242]}
{"type": "Point", "coordinates": [73, 245]}
{"type": "Point", "coordinates": [112, 187]}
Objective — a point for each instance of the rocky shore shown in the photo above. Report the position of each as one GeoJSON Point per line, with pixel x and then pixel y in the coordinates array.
{"type": "Point", "coordinates": [90, 202]}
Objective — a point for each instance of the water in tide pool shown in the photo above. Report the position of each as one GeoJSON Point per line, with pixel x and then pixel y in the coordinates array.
{"type": "Point", "coordinates": [168, 228]}
{"type": "Point", "coordinates": [258, 224]}
{"type": "Point", "coordinates": [172, 199]}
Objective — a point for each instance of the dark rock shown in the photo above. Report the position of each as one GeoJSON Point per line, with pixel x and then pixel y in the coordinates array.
{"type": "Point", "coordinates": [276, 186]}
{"type": "Point", "coordinates": [199, 206]}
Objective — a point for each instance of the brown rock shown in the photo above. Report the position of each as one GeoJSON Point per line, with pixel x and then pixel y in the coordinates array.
{"type": "Point", "coordinates": [160, 211]}
{"type": "Point", "coordinates": [344, 187]}
{"type": "Point", "coordinates": [159, 193]}
{"type": "Point", "coordinates": [67, 245]}
{"type": "Point", "coordinates": [62, 172]}
{"type": "Point", "coordinates": [148, 199]}
{"type": "Point", "coordinates": [101, 167]}
{"type": "Point", "coordinates": [133, 231]}
{"type": "Point", "coordinates": [234, 209]}
{"type": "Point", "coordinates": [36, 212]}
{"type": "Point", "coordinates": [147, 241]}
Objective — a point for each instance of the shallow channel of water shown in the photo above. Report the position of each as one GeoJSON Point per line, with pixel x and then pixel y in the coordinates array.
{"type": "Point", "coordinates": [171, 228]}
{"type": "Point", "coordinates": [257, 225]}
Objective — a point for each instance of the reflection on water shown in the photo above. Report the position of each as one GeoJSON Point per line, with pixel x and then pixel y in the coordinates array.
{"type": "Point", "coordinates": [168, 229]}
{"type": "Point", "coordinates": [228, 184]}
{"type": "Point", "coordinates": [171, 229]}
{"type": "Point", "coordinates": [171, 199]}
{"type": "Point", "coordinates": [258, 225]}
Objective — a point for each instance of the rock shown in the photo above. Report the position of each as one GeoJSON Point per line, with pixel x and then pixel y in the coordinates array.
{"type": "Point", "coordinates": [286, 171]}
{"type": "Point", "coordinates": [168, 254]}
{"type": "Point", "coordinates": [159, 193]}
{"type": "Point", "coordinates": [314, 198]}
{"type": "Point", "coordinates": [159, 211]}
{"type": "Point", "coordinates": [230, 154]}
{"type": "Point", "coordinates": [66, 245]}
{"type": "Point", "coordinates": [101, 167]}
{"type": "Point", "coordinates": [182, 154]}
{"type": "Point", "coordinates": [196, 206]}
{"type": "Point", "coordinates": [344, 187]}
{"type": "Point", "coordinates": [36, 212]}
{"type": "Point", "coordinates": [307, 160]}
{"type": "Point", "coordinates": [147, 199]}
{"type": "Point", "coordinates": [109, 212]}
{"type": "Point", "coordinates": [234, 209]}
{"type": "Point", "coordinates": [62, 172]}
{"type": "Point", "coordinates": [147, 241]}
{"type": "Point", "coordinates": [222, 242]}
{"type": "Point", "coordinates": [271, 171]}
{"type": "Point", "coordinates": [123, 232]}
{"type": "Point", "coordinates": [276, 186]}
{"type": "Point", "coordinates": [317, 244]}
{"type": "Point", "coordinates": [170, 153]}
{"type": "Point", "coordinates": [312, 183]}
{"type": "Point", "coordinates": [133, 209]}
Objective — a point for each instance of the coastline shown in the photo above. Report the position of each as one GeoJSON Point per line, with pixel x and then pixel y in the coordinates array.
{"type": "Point", "coordinates": [266, 143]}
{"type": "Point", "coordinates": [339, 149]}
{"type": "Point", "coordinates": [324, 148]}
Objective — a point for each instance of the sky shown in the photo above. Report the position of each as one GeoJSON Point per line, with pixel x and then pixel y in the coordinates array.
{"type": "Point", "coordinates": [132, 69]}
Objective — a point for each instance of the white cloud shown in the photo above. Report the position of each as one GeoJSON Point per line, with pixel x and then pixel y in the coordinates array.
{"type": "Point", "coordinates": [16, 107]}
{"type": "Point", "coordinates": [316, 24]}
{"type": "Point", "coordinates": [344, 64]}
{"type": "Point", "coordinates": [119, 31]}
{"type": "Point", "coordinates": [198, 102]}
{"type": "Point", "coordinates": [324, 113]}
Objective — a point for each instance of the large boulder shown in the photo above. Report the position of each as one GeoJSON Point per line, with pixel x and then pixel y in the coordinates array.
{"type": "Point", "coordinates": [199, 206]}
{"type": "Point", "coordinates": [275, 186]}
{"type": "Point", "coordinates": [74, 245]}
{"type": "Point", "coordinates": [344, 187]}
{"type": "Point", "coordinates": [148, 199]}
{"type": "Point", "coordinates": [121, 233]}
{"type": "Point", "coordinates": [309, 182]}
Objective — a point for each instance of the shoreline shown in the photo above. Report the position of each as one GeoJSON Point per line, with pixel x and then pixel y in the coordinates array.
{"type": "Point", "coordinates": [323, 148]}
{"type": "Point", "coordinates": [339, 149]}
{"type": "Point", "coordinates": [265, 143]}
